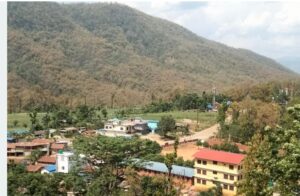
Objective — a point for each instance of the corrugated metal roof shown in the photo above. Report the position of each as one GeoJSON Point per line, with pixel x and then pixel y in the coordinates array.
{"type": "Point", "coordinates": [50, 168]}
{"type": "Point", "coordinates": [176, 170]}
{"type": "Point", "coordinates": [220, 156]}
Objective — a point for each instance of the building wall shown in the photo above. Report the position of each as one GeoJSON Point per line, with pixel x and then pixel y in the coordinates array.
{"type": "Point", "coordinates": [206, 175]}
{"type": "Point", "coordinates": [178, 180]}
{"type": "Point", "coordinates": [121, 128]}
{"type": "Point", "coordinates": [62, 163]}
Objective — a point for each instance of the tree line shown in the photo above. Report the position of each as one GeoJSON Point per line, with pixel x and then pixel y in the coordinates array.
{"type": "Point", "coordinates": [187, 101]}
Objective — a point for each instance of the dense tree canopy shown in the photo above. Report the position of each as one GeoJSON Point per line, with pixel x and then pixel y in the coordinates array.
{"type": "Point", "coordinates": [99, 50]}
{"type": "Point", "coordinates": [272, 164]}
{"type": "Point", "coordinates": [248, 117]}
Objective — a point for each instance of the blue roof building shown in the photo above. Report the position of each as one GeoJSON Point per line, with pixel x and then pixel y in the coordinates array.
{"type": "Point", "coordinates": [49, 169]}
{"type": "Point", "coordinates": [152, 124]}
{"type": "Point", "coordinates": [176, 170]}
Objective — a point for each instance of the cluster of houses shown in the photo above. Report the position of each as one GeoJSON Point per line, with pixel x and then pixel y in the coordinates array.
{"type": "Point", "coordinates": [53, 156]}
{"type": "Point", "coordinates": [116, 127]}
{"type": "Point", "coordinates": [211, 167]}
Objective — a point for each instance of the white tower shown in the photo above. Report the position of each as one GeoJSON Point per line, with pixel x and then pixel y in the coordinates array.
{"type": "Point", "coordinates": [63, 163]}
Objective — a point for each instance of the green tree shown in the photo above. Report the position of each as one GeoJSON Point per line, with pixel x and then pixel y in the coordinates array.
{"type": "Point", "coordinates": [110, 156]}
{"type": "Point", "coordinates": [35, 155]}
{"type": "Point", "coordinates": [104, 113]}
{"type": "Point", "coordinates": [166, 125]}
{"type": "Point", "coordinates": [229, 147]}
{"type": "Point", "coordinates": [272, 164]}
{"type": "Point", "coordinates": [46, 120]}
{"type": "Point", "coordinates": [15, 123]}
{"type": "Point", "coordinates": [33, 119]}
{"type": "Point", "coordinates": [25, 125]}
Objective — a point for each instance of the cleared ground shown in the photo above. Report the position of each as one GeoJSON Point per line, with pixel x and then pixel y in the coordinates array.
{"type": "Point", "coordinates": [185, 150]}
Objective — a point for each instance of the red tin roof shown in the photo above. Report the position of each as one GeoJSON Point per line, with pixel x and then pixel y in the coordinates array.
{"type": "Point", "coordinates": [220, 156]}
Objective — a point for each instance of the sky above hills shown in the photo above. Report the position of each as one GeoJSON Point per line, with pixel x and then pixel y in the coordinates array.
{"type": "Point", "coordinates": [268, 28]}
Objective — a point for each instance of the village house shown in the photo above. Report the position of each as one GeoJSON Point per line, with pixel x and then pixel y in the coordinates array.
{"type": "Point", "coordinates": [35, 168]}
{"type": "Point", "coordinates": [17, 152]}
{"type": "Point", "coordinates": [46, 160]}
{"type": "Point", "coordinates": [127, 126]}
{"type": "Point", "coordinates": [48, 169]}
{"type": "Point", "coordinates": [212, 167]}
{"type": "Point", "coordinates": [55, 147]}
{"type": "Point", "coordinates": [21, 151]}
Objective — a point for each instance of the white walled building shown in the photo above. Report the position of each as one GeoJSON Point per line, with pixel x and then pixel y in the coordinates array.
{"type": "Point", "coordinates": [63, 162]}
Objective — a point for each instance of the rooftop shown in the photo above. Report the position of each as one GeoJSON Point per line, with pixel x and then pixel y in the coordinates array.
{"type": "Point", "coordinates": [34, 168]}
{"type": "Point", "coordinates": [56, 146]}
{"type": "Point", "coordinates": [47, 159]}
{"type": "Point", "coordinates": [176, 170]}
{"type": "Point", "coordinates": [220, 156]}
{"type": "Point", "coordinates": [50, 168]}
{"type": "Point", "coordinates": [41, 141]}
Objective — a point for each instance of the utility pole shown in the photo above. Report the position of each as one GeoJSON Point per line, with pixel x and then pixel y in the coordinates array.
{"type": "Point", "coordinates": [214, 97]}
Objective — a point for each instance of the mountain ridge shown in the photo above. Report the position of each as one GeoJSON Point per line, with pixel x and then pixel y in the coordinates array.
{"type": "Point", "coordinates": [92, 53]}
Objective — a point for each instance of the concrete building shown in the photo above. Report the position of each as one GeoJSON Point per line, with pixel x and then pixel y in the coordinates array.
{"type": "Point", "coordinates": [126, 126]}
{"type": "Point", "coordinates": [64, 161]}
{"type": "Point", "coordinates": [212, 167]}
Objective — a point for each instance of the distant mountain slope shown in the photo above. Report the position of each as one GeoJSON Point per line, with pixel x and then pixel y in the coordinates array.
{"type": "Point", "coordinates": [75, 53]}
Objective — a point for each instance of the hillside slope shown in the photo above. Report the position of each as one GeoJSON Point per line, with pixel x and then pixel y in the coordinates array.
{"type": "Point", "coordinates": [93, 53]}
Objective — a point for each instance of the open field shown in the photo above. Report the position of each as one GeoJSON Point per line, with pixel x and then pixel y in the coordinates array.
{"type": "Point", "coordinates": [203, 116]}
{"type": "Point", "coordinates": [206, 119]}
{"type": "Point", "coordinates": [22, 118]}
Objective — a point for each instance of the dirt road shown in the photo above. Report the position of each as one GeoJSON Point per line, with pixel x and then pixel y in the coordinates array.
{"type": "Point", "coordinates": [201, 135]}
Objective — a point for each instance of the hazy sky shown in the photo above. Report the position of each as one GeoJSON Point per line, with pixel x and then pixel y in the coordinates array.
{"type": "Point", "coordinates": [268, 28]}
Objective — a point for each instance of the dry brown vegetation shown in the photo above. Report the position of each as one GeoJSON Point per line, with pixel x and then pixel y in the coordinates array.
{"type": "Point", "coordinates": [103, 53]}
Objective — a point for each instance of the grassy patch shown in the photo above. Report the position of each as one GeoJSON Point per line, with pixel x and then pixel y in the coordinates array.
{"type": "Point", "coordinates": [22, 118]}
{"type": "Point", "coordinates": [206, 119]}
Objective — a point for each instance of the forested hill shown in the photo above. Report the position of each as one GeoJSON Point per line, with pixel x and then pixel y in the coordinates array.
{"type": "Point", "coordinates": [96, 53]}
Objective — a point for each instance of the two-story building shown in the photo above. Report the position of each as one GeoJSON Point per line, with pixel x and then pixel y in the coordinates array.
{"type": "Point", "coordinates": [212, 167]}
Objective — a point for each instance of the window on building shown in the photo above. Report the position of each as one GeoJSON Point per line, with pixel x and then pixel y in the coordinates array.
{"type": "Point", "coordinates": [239, 167]}
{"type": "Point", "coordinates": [231, 187]}
{"type": "Point", "coordinates": [225, 176]}
{"type": "Point", "coordinates": [199, 171]}
{"type": "Point", "coordinates": [106, 127]}
{"type": "Point", "coordinates": [199, 161]}
{"type": "Point", "coordinates": [203, 181]}
{"type": "Point", "coordinates": [198, 181]}
{"type": "Point", "coordinates": [122, 128]}
{"type": "Point", "coordinates": [63, 168]}
{"type": "Point", "coordinates": [126, 128]}
{"type": "Point", "coordinates": [215, 172]}
{"type": "Point", "coordinates": [204, 172]}
{"type": "Point", "coordinates": [215, 162]}
{"type": "Point", "coordinates": [231, 167]}
{"type": "Point", "coordinates": [231, 177]}
{"type": "Point", "coordinates": [225, 186]}
{"type": "Point", "coordinates": [204, 162]}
